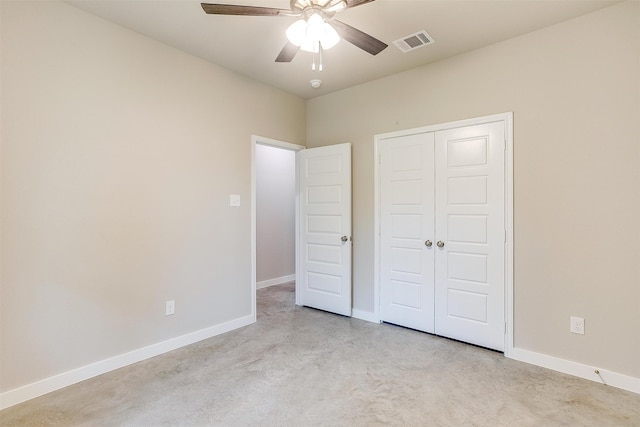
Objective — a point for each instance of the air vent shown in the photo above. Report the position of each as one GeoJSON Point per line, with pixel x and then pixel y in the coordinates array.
{"type": "Point", "coordinates": [414, 41]}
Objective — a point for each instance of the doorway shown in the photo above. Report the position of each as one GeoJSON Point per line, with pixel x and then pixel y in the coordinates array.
{"type": "Point", "coordinates": [322, 236]}
{"type": "Point", "coordinates": [273, 229]}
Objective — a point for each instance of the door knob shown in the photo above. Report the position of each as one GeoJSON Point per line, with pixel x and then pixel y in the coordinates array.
{"type": "Point", "coordinates": [344, 239]}
{"type": "Point", "coordinates": [428, 243]}
{"type": "Point", "coordinates": [440, 244]}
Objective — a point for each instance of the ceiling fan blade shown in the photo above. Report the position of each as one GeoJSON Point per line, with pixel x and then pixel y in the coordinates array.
{"type": "Point", "coordinates": [354, 3]}
{"type": "Point", "coordinates": [333, 6]}
{"type": "Point", "coordinates": [232, 9]}
{"type": "Point", "coordinates": [288, 52]}
{"type": "Point", "coordinates": [358, 38]}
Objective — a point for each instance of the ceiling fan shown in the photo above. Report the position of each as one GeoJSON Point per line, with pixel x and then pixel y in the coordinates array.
{"type": "Point", "coordinates": [315, 31]}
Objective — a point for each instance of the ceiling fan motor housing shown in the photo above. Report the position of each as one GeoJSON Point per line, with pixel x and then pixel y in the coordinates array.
{"type": "Point", "coordinates": [327, 8]}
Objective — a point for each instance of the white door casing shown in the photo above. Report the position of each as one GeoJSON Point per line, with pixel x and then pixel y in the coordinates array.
{"type": "Point", "coordinates": [324, 273]}
{"type": "Point", "coordinates": [407, 231]}
{"type": "Point", "coordinates": [470, 223]}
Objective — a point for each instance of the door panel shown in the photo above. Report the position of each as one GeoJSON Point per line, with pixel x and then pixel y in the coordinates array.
{"type": "Point", "coordinates": [469, 290]}
{"type": "Point", "coordinates": [324, 279]}
{"type": "Point", "coordinates": [407, 221]}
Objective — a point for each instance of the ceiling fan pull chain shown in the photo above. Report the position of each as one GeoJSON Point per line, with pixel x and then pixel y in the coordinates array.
{"type": "Point", "coordinates": [317, 49]}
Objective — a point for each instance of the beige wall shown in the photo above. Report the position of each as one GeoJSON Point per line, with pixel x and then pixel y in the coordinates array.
{"type": "Point", "coordinates": [574, 89]}
{"type": "Point", "coordinates": [275, 212]}
{"type": "Point", "coordinates": [118, 157]}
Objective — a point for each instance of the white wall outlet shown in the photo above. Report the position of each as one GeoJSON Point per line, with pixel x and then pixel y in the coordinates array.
{"type": "Point", "coordinates": [234, 200]}
{"type": "Point", "coordinates": [170, 308]}
{"type": "Point", "coordinates": [576, 325]}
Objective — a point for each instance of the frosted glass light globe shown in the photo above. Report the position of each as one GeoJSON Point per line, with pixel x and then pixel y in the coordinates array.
{"type": "Point", "coordinates": [307, 34]}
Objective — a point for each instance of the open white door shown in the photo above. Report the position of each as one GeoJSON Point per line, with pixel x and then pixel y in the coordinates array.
{"type": "Point", "coordinates": [324, 252]}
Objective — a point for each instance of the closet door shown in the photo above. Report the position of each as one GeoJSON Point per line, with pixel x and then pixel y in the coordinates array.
{"type": "Point", "coordinates": [470, 234]}
{"type": "Point", "coordinates": [406, 224]}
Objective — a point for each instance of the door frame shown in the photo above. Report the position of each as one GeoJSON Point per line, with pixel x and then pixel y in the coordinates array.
{"type": "Point", "coordinates": [261, 140]}
{"type": "Point", "coordinates": [507, 118]}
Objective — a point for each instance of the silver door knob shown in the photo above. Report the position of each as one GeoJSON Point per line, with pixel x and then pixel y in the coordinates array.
{"type": "Point", "coordinates": [428, 243]}
{"type": "Point", "coordinates": [344, 239]}
{"type": "Point", "coordinates": [440, 244]}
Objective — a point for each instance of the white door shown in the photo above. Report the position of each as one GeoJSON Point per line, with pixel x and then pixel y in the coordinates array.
{"type": "Point", "coordinates": [407, 231]}
{"type": "Point", "coordinates": [470, 234]}
{"type": "Point", "coordinates": [324, 259]}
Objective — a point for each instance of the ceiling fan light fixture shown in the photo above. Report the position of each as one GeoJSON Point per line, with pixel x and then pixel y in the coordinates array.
{"type": "Point", "coordinates": [308, 35]}
{"type": "Point", "coordinates": [296, 32]}
{"type": "Point", "coordinates": [315, 28]}
{"type": "Point", "coordinates": [331, 37]}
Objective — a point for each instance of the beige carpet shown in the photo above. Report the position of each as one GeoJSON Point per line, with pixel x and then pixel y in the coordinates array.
{"type": "Point", "coordinates": [302, 367]}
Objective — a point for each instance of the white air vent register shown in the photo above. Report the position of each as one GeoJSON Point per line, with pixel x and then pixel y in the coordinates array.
{"type": "Point", "coordinates": [413, 41]}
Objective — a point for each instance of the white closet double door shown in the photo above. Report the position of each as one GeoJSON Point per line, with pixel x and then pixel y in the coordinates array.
{"type": "Point", "coordinates": [442, 233]}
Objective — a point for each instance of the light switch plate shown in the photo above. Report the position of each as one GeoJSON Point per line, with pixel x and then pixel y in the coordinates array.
{"type": "Point", "coordinates": [234, 200]}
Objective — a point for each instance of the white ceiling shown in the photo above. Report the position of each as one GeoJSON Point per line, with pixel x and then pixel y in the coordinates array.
{"type": "Point", "coordinates": [249, 45]}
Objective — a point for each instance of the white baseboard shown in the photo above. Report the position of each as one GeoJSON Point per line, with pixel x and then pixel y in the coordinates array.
{"type": "Point", "coordinates": [47, 385]}
{"type": "Point", "coordinates": [364, 315]}
{"type": "Point", "coordinates": [610, 378]}
{"type": "Point", "coordinates": [275, 281]}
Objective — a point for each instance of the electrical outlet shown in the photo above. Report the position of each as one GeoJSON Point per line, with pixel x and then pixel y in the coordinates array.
{"type": "Point", "coordinates": [576, 325]}
{"type": "Point", "coordinates": [234, 200]}
{"type": "Point", "coordinates": [170, 308]}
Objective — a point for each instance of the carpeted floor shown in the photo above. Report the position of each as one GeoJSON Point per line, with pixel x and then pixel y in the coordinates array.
{"type": "Point", "coordinates": [302, 367]}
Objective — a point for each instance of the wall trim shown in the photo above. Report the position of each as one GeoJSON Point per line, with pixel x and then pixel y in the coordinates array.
{"type": "Point", "coordinates": [275, 281]}
{"type": "Point", "coordinates": [613, 379]}
{"type": "Point", "coordinates": [368, 316]}
{"type": "Point", "coordinates": [56, 382]}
